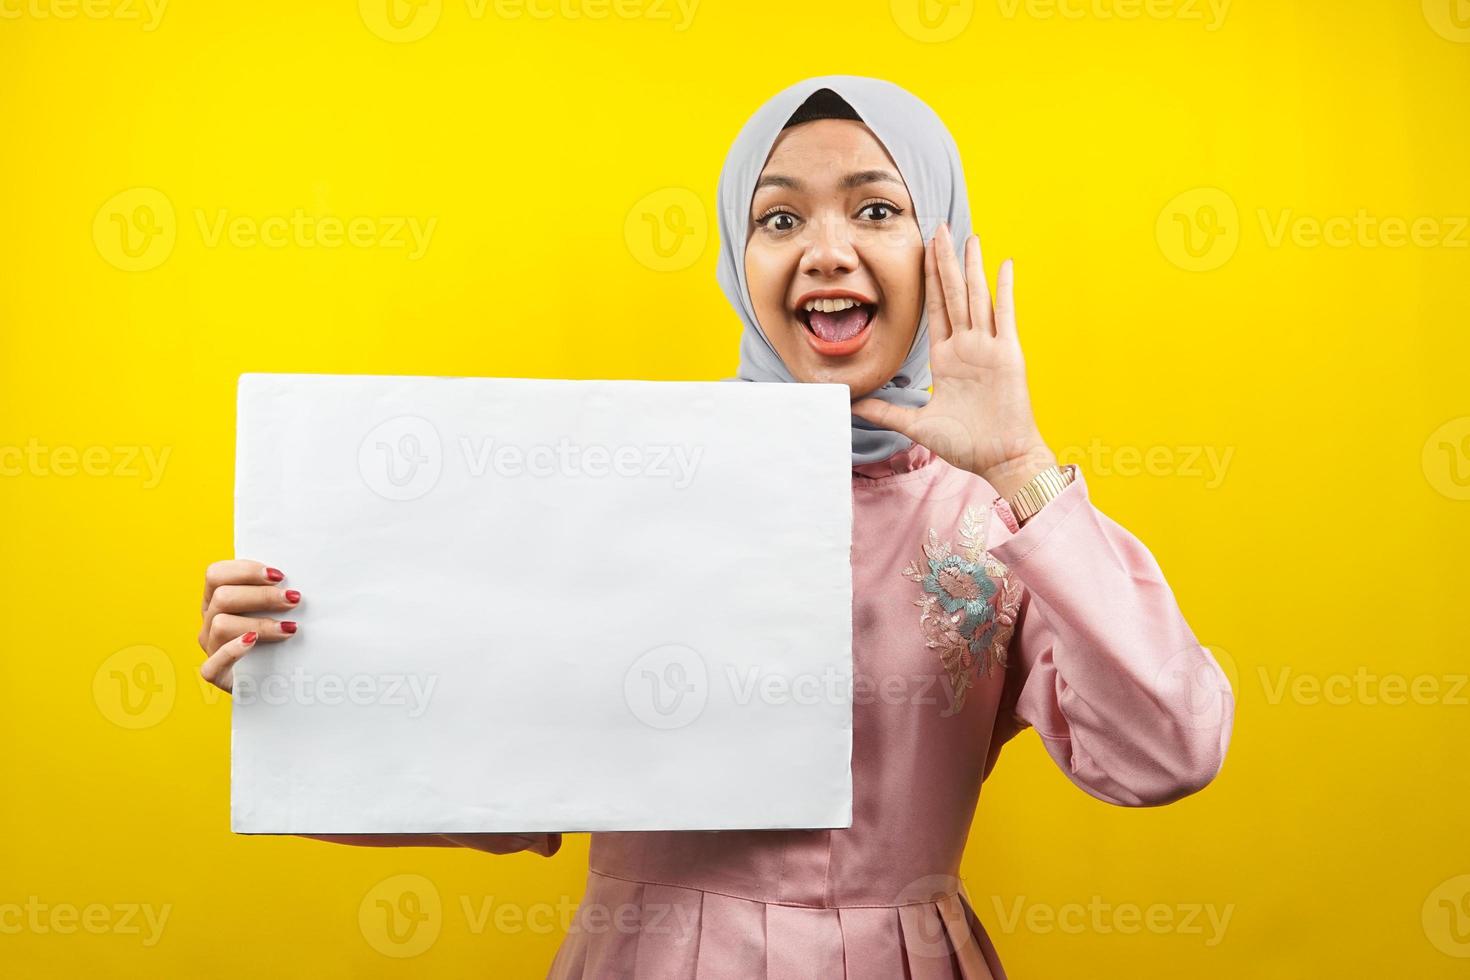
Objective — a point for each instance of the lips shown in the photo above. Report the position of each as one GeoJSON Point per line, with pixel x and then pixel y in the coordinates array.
{"type": "Point", "coordinates": [839, 332]}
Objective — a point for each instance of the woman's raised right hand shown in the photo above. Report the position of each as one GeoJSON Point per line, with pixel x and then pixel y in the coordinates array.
{"type": "Point", "coordinates": [238, 595]}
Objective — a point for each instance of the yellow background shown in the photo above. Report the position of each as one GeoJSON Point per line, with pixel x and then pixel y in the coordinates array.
{"type": "Point", "coordinates": [1330, 549]}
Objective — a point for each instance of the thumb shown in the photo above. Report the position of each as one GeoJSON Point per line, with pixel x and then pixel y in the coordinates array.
{"type": "Point", "coordinates": [886, 415]}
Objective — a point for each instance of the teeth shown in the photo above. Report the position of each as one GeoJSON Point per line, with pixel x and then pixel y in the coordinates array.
{"type": "Point", "coordinates": [831, 305]}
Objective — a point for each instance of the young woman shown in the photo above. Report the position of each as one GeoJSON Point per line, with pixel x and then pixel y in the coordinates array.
{"type": "Point", "coordinates": [990, 595]}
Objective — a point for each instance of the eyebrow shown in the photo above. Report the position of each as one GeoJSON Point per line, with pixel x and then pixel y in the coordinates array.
{"type": "Point", "coordinates": [847, 183]}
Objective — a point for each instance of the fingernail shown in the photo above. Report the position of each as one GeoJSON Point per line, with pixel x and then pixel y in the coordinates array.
{"type": "Point", "coordinates": [288, 627]}
{"type": "Point", "coordinates": [292, 596]}
{"type": "Point", "coordinates": [248, 638]}
{"type": "Point", "coordinates": [274, 574]}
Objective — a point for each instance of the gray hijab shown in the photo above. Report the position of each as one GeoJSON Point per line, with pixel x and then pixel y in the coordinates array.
{"type": "Point", "coordinates": [929, 163]}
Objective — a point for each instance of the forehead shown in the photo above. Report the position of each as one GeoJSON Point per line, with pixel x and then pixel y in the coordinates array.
{"type": "Point", "coordinates": [824, 150]}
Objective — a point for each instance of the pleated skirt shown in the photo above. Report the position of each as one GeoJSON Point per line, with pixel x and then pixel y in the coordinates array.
{"type": "Point", "coordinates": [636, 929]}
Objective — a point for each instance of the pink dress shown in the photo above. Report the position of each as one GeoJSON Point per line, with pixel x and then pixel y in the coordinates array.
{"type": "Point", "coordinates": [1076, 634]}
{"type": "Point", "coordinates": [965, 631]}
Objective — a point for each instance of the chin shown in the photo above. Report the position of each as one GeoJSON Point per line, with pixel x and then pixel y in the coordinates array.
{"type": "Point", "coordinates": [861, 367]}
{"type": "Point", "coordinates": [861, 379]}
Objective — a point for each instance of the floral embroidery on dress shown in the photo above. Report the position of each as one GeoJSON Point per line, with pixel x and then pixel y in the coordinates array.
{"type": "Point", "coordinates": [969, 604]}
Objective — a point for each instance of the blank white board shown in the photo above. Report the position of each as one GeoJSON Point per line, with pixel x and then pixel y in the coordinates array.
{"type": "Point", "coordinates": [545, 605]}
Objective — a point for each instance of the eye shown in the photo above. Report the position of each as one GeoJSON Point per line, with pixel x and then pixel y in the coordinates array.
{"type": "Point", "coordinates": [891, 210]}
{"type": "Point", "coordinates": [765, 221]}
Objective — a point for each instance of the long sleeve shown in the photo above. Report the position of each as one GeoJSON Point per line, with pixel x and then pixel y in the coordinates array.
{"type": "Point", "coordinates": [1127, 702]}
{"type": "Point", "coordinates": [544, 844]}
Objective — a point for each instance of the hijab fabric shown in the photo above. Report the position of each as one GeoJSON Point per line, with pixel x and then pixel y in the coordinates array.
{"type": "Point", "coordinates": [929, 163]}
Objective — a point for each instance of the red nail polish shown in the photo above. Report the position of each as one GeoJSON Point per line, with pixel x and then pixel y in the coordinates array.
{"type": "Point", "coordinates": [248, 638]}
{"type": "Point", "coordinates": [288, 627]}
{"type": "Point", "coordinates": [274, 574]}
{"type": "Point", "coordinates": [292, 596]}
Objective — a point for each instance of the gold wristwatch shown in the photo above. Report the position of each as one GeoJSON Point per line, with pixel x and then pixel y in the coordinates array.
{"type": "Point", "coordinates": [1045, 485]}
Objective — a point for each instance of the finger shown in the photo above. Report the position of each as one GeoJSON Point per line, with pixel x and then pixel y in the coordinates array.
{"type": "Point", "coordinates": [239, 571]}
{"type": "Point", "coordinates": [225, 627]}
{"type": "Point", "coordinates": [251, 598]}
{"type": "Point", "coordinates": [494, 843]}
{"type": "Point", "coordinates": [1005, 300]}
{"type": "Point", "coordinates": [952, 280]}
{"type": "Point", "coordinates": [981, 313]}
{"type": "Point", "coordinates": [939, 328]}
{"type": "Point", "coordinates": [886, 415]}
{"type": "Point", "coordinates": [219, 668]}
{"type": "Point", "coordinates": [236, 599]}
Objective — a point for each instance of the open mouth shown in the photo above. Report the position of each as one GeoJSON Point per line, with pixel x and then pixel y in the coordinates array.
{"type": "Point", "coordinates": [837, 326]}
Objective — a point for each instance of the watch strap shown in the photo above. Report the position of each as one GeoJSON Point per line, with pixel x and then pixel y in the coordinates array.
{"type": "Point", "coordinates": [1028, 500]}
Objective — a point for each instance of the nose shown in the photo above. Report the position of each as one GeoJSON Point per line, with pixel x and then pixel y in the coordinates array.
{"type": "Point", "coordinates": [830, 249]}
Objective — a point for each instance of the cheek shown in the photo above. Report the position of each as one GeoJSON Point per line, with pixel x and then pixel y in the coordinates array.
{"type": "Point", "coordinates": [765, 277]}
{"type": "Point", "coordinates": [901, 276]}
